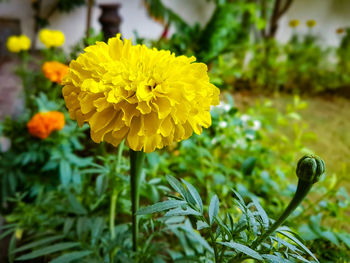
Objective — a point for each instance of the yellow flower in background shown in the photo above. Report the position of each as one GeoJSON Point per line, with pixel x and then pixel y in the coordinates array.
{"type": "Point", "coordinates": [17, 44]}
{"type": "Point", "coordinates": [51, 38]}
{"type": "Point", "coordinates": [54, 71]}
{"type": "Point", "coordinates": [311, 23]}
{"type": "Point", "coordinates": [149, 97]}
{"type": "Point", "coordinates": [294, 23]}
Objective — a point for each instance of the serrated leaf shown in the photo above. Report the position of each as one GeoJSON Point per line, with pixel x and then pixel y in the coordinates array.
{"type": "Point", "coordinates": [345, 238]}
{"type": "Point", "coordinates": [201, 225]}
{"type": "Point", "coordinates": [298, 242]}
{"type": "Point", "coordinates": [68, 223]}
{"type": "Point", "coordinates": [275, 259]}
{"type": "Point", "coordinates": [96, 229]}
{"type": "Point", "coordinates": [6, 233]}
{"type": "Point", "coordinates": [213, 208]}
{"type": "Point", "coordinates": [242, 248]}
{"type": "Point", "coordinates": [38, 243]}
{"type": "Point", "coordinates": [286, 244]}
{"type": "Point", "coordinates": [329, 235]}
{"type": "Point", "coordinates": [101, 184]}
{"type": "Point", "coordinates": [161, 206]}
{"type": "Point", "coordinates": [177, 186]}
{"type": "Point", "coordinates": [12, 246]}
{"type": "Point", "coordinates": [48, 250]}
{"type": "Point", "coordinates": [194, 193]}
{"type": "Point", "coordinates": [182, 212]}
{"type": "Point", "coordinates": [69, 257]}
{"type": "Point", "coordinates": [195, 236]}
{"type": "Point", "coordinates": [65, 172]}
{"type": "Point", "coordinates": [261, 212]}
{"type": "Point", "coordinates": [76, 205]}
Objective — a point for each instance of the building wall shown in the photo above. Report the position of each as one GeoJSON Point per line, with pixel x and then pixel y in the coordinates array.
{"type": "Point", "coordinates": [329, 14]}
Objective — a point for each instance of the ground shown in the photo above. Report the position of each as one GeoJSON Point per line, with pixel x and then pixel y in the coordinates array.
{"type": "Point", "coordinates": [327, 116]}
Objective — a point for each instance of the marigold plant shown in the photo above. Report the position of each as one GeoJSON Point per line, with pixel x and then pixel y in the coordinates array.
{"type": "Point", "coordinates": [51, 38]}
{"type": "Point", "coordinates": [294, 23]}
{"type": "Point", "coordinates": [42, 124]}
{"type": "Point", "coordinates": [149, 97]}
{"type": "Point", "coordinates": [54, 71]}
{"type": "Point", "coordinates": [16, 44]}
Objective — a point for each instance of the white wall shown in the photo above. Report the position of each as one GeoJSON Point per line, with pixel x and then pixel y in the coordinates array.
{"type": "Point", "coordinates": [329, 14]}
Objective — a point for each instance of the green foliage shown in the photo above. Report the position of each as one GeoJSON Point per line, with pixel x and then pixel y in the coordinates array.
{"type": "Point", "coordinates": [228, 239]}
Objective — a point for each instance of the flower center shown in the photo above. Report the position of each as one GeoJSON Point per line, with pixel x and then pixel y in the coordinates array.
{"type": "Point", "coordinates": [145, 89]}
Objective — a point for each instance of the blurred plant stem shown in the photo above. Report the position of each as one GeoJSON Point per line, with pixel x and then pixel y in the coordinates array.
{"type": "Point", "coordinates": [302, 190]}
{"type": "Point", "coordinates": [136, 162]}
{"type": "Point", "coordinates": [115, 192]}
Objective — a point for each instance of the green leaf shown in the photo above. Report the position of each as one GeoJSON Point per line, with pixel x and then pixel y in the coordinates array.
{"type": "Point", "coordinates": [194, 193]}
{"type": "Point", "coordinates": [48, 250]}
{"type": "Point", "coordinates": [242, 248]}
{"type": "Point", "coordinates": [78, 208]}
{"type": "Point", "coordinates": [297, 241]}
{"type": "Point", "coordinates": [329, 235]}
{"type": "Point", "coordinates": [6, 226]}
{"type": "Point", "coordinates": [195, 236]}
{"type": "Point", "coordinates": [161, 206]}
{"type": "Point", "coordinates": [177, 186]}
{"type": "Point", "coordinates": [345, 238]}
{"type": "Point", "coordinates": [96, 229]}
{"type": "Point", "coordinates": [12, 246]}
{"type": "Point", "coordinates": [101, 184]}
{"type": "Point", "coordinates": [69, 257]}
{"type": "Point", "coordinates": [38, 243]}
{"type": "Point", "coordinates": [6, 233]}
{"type": "Point", "coordinates": [201, 225]}
{"type": "Point", "coordinates": [65, 172]}
{"type": "Point", "coordinates": [248, 165]}
{"type": "Point", "coordinates": [68, 223]}
{"type": "Point", "coordinates": [182, 212]}
{"type": "Point", "coordinates": [213, 208]}
{"type": "Point", "coordinates": [262, 213]}
{"type": "Point", "coordinates": [275, 259]}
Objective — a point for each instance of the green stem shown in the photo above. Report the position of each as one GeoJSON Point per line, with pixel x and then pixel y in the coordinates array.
{"type": "Point", "coordinates": [136, 162]}
{"type": "Point", "coordinates": [214, 246]}
{"type": "Point", "coordinates": [302, 190]}
{"type": "Point", "coordinates": [115, 192]}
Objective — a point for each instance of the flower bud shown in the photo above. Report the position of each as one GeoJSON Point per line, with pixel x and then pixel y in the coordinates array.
{"type": "Point", "coordinates": [310, 168]}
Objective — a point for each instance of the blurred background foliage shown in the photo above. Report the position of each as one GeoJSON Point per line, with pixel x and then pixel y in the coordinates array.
{"type": "Point", "coordinates": [55, 193]}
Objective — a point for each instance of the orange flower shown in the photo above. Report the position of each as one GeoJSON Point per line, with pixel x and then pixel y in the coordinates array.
{"type": "Point", "coordinates": [55, 71]}
{"type": "Point", "coordinates": [340, 31]}
{"type": "Point", "coordinates": [44, 123]}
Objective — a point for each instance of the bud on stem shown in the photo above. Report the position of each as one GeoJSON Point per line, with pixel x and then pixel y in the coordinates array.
{"type": "Point", "coordinates": [309, 170]}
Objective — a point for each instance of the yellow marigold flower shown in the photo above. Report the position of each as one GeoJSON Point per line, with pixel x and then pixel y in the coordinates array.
{"type": "Point", "coordinates": [311, 23]}
{"type": "Point", "coordinates": [51, 38]}
{"type": "Point", "coordinates": [17, 44]}
{"type": "Point", "coordinates": [149, 97]}
{"type": "Point", "coordinates": [44, 123]}
{"type": "Point", "coordinates": [54, 71]}
{"type": "Point", "coordinates": [294, 23]}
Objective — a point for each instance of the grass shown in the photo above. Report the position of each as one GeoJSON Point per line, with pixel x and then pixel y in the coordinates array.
{"type": "Point", "coordinates": [327, 117]}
